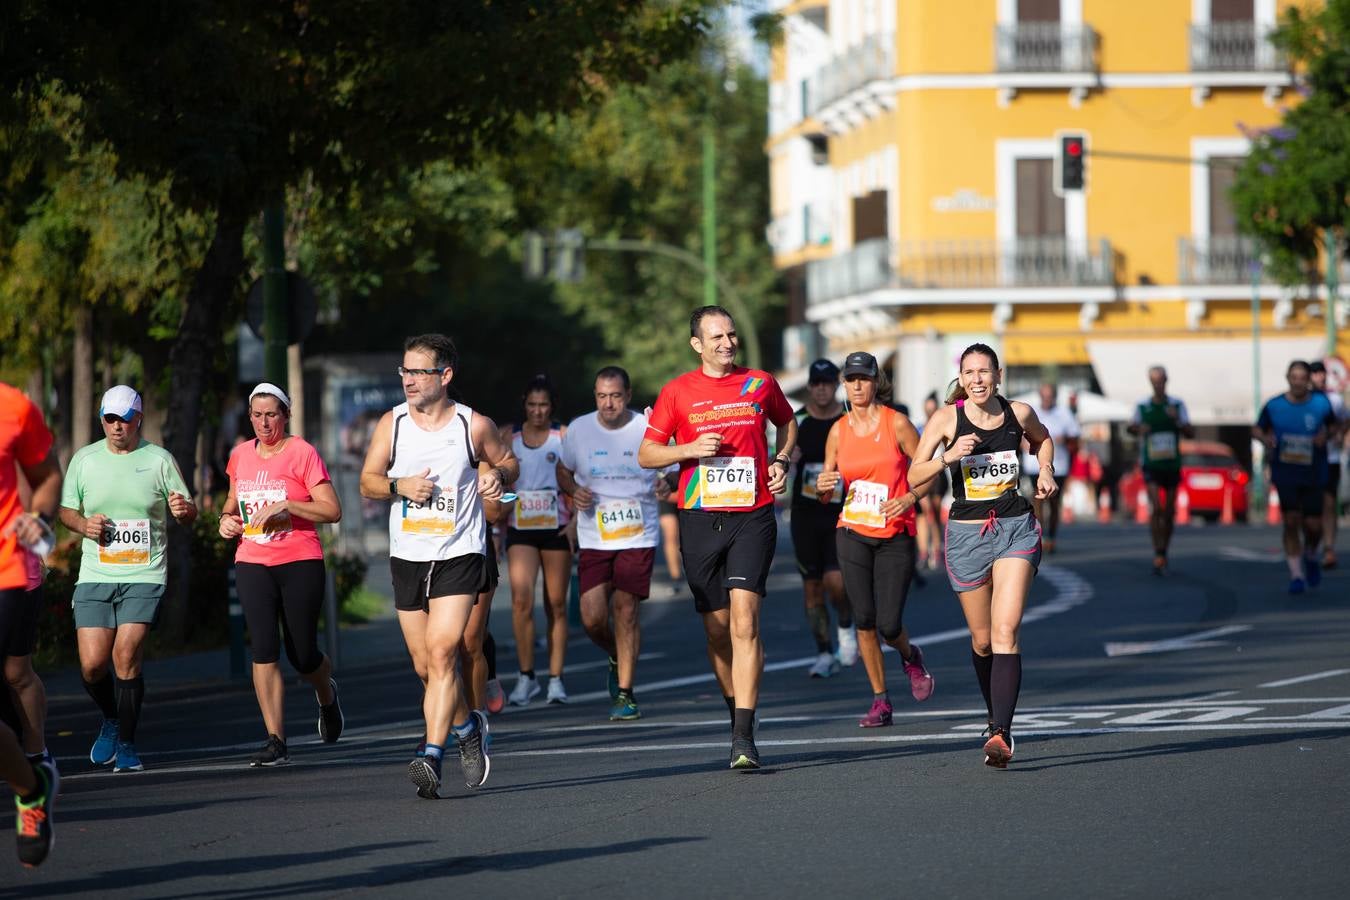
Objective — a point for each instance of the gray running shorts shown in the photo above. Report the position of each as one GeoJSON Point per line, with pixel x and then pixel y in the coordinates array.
{"type": "Point", "coordinates": [972, 548]}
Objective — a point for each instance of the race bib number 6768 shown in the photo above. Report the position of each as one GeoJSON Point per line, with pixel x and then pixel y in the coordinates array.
{"type": "Point", "coordinates": [988, 476]}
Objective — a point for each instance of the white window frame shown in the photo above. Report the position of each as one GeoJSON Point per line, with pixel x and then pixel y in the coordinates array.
{"type": "Point", "coordinates": [1007, 153]}
{"type": "Point", "coordinates": [1202, 149]}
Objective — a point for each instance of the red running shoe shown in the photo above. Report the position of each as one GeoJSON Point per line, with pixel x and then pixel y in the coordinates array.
{"type": "Point", "coordinates": [998, 750]}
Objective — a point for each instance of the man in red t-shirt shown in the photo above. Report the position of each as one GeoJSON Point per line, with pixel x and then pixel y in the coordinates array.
{"type": "Point", "coordinates": [711, 422]}
{"type": "Point", "coordinates": [25, 443]}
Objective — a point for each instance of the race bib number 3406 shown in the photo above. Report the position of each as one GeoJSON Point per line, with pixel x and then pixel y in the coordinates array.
{"type": "Point", "coordinates": [126, 542]}
{"type": "Point", "coordinates": [988, 476]}
{"type": "Point", "coordinates": [728, 481]}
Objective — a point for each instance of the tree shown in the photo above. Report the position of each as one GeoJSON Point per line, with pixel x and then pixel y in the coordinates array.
{"type": "Point", "coordinates": [1293, 192]}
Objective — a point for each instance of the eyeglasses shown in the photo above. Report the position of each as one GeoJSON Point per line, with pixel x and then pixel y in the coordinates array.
{"type": "Point", "coordinates": [402, 371]}
{"type": "Point", "coordinates": [113, 419]}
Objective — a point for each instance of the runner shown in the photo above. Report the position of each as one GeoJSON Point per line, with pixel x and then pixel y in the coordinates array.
{"type": "Point", "coordinates": [1063, 427]}
{"type": "Point", "coordinates": [716, 415]}
{"type": "Point", "coordinates": [25, 537]}
{"type": "Point", "coordinates": [930, 504]}
{"type": "Point", "coordinates": [535, 537]}
{"type": "Point", "coordinates": [1294, 427]}
{"type": "Point", "coordinates": [424, 455]}
{"type": "Point", "coordinates": [993, 540]}
{"type": "Point", "coordinates": [870, 451]}
{"type": "Point", "coordinates": [616, 527]}
{"type": "Point", "coordinates": [282, 491]}
{"type": "Point", "coordinates": [1160, 420]}
{"type": "Point", "coordinates": [118, 494]}
{"type": "Point", "coordinates": [670, 538]}
{"type": "Point", "coordinates": [1335, 437]}
{"type": "Point", "coordinates": [813, 523]}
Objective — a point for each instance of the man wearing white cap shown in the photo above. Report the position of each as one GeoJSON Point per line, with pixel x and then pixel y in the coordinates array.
{"type": "Point", "coordinates": [118, 494]}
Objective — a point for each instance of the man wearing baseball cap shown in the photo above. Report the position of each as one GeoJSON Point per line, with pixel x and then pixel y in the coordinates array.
{"type": "Point", "coordinates": [118, 494]}
{"type": "Point", "coordinates": [813, 524]}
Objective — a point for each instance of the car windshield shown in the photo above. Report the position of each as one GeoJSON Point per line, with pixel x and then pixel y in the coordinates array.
{"type": "Point", "coordinates": [1207, 461]}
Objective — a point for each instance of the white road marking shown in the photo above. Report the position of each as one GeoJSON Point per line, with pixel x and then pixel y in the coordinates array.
{"type": "Point", "coordinates": [1245, 554]}
{"type": "Point", "coordinates": [1185, 642]}
{"type": "Point", "coordinates": [1329, 673]}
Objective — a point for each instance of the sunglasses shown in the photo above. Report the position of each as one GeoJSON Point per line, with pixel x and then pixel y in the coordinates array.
{"type": "Point", "coordinates": [113, 418]}
{"type": "Point", "coordinates": [402, 371]}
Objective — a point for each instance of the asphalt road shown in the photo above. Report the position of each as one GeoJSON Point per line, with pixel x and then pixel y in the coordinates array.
{"type": "Point", "coordinates": [1177, 737]}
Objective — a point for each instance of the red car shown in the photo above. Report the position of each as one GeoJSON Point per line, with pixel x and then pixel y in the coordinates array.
{"type": "Point", "coordinates": [1208, 469]}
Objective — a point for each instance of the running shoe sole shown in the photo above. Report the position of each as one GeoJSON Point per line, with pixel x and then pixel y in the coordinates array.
{"type": "Point", "coordinates": [329, 735]}
{"type": "Point", "coordinates": [423, 774]}
{"type": "Point", "coordinates": [997, 754]}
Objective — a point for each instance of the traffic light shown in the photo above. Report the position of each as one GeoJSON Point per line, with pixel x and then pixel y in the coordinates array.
{"type": "Point", "coordinates": [1072, 158]}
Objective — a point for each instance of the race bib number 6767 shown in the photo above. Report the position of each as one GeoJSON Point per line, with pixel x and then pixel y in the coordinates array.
{"type": "Point", "coordinates": [728, 481]}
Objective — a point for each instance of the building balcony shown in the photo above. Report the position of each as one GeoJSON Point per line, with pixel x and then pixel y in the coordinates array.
{"type": "Point", "coordinates": [1045, 48]}
{"type": "Point", "coordinates": [962, 265]}
{"type": "Point", "coordinates": [873, 59]}
{"type": "Point", "coordinates": [1216, 259]}
{"type": "Point", "coordinates": [1232, 47]}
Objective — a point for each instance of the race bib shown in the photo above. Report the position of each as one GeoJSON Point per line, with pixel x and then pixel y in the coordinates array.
{"type": "Point", "coordinates": [988, 476]}
{"type": "Point", "coordinates": [728, 481]}
{"type": "Point", "coordinates": [862, 506]}
{"type": "Point", "coordinates": [436, 516]}
{"type": "Point", "coordinates": [810, 472]}
{"type": "Point", "coordinates": [125, 543]}
{"type": "Point", "coordinates": [1296, 449]}
{"type": "Point", "coordinates": [536, 510]}
{"type": "Point", "coordinates": [619, 520]}
{"type": "Point", "coordinates": [1162, 445]}
{"type": "Point", "coordinates": [249, 504]}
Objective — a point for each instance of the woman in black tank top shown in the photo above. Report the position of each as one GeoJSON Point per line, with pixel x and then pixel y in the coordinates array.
{"type": "Point", "coordinates": [993, 541]}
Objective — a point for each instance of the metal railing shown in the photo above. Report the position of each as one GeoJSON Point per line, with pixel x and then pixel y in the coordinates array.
{"type": "Point", "coordinates": [1045, 47]}
{"type": "Point", "coordinates": [872, 59]}
{"type": "Point", "coordinates": [1232, 47]}
{"type": "Point", "coordinates": [962, 264]}
{"type": "Point", "coordinates": [1216, 259]}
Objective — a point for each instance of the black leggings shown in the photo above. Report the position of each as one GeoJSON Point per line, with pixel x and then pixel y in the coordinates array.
{"type": "Point", "coordinates": [877, 572]}
{"type": "Point", "coordinates": [291, 595]}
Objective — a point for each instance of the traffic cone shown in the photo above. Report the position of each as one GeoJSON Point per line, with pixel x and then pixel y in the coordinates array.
{"type": "Point", "coordinates": [1273, 516]}
{"type": "Point", "coordinates": [1141, 507]}
{"type": "Point", "coordinates": [1226, 517]}
{"type": "Point", "coordinates": [1104, 507]}
{"type": "Point", "coordinates": [1066, 510]}
{"type": "Point", "coordinates": [1183, 507]}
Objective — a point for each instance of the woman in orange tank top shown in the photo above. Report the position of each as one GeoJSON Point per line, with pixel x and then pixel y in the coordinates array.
{"type": "Point", "coordinates": [869, 451]}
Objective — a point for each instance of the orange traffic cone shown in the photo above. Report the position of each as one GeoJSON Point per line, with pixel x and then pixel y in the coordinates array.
{"type": "Point", "coordinates": [1226, 517]}
{"type": "Point", "coordinates": [1065, 511]}
{"type": "Point", "coordinates": [1141, 512]}
{"type": "Point", "coordinates": [1183, 507]}
{"type": "Point", "coordinates": [1104, 507]}
{"type": "Point", "coordinates": [1273, 516]}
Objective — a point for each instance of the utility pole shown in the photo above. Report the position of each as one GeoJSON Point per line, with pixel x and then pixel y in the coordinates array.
{"type": "Point", "coordinates": [1333, 288]}
{"type": "Point", "coordinates": [275, 302]}
{"type": "Point", "coordinates": [709, 215]}
{"type": "Point", "coordinates": [1258, 505]}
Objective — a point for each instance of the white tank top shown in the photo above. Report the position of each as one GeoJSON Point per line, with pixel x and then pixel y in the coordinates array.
{"type": "Point", "coordinates": [538, 505]}
{"type": "Point", "coordinates": [451, 523]}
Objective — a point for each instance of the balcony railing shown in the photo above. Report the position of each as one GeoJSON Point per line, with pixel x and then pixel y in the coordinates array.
{"type": "Point", "coordinates": [1040, 262]}
{"type": "Point", "coordinates": [1232, 47]}
{"type": "Point", "coordinates": [870, 60]}
{"type": "Point", "coordinates": [1038, 47]}
{"type": "Point", "coordinates": [1216, 259]}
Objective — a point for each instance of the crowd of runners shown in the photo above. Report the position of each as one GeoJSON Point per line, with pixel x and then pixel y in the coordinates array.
{"type": "Point", "coordinates": [695, 471]}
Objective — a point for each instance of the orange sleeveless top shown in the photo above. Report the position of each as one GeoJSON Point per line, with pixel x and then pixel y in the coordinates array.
{"type": "Point", "coordinates": [875, 470]}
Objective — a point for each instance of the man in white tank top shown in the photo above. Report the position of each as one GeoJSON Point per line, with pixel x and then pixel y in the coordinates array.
{"type": "Point", "coordinates": [424, 457]}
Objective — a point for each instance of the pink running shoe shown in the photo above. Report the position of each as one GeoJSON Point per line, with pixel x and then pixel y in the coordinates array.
{"type": "Point", "coordinates": [998, 750]}
{"type": "Point", "coordinates": [878, 716]}
{"type": "Point", "coordinates": [496, 697]}
{"type": "Point", "coordinates": [920, 682]}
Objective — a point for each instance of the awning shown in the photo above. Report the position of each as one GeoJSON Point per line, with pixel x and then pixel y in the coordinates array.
{"type": "Point", "coordinates": [1091, 407]}
{"type": "Point", "coordinates": [1213, 377]}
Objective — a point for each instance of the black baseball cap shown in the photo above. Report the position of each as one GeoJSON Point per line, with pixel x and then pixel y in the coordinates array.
{"type": "Point", "coordinates": [1317, 366]}
{"type": "Point", "coordinates": [860, 363]}
{"type": "Point", "coordinates": [822, 372]}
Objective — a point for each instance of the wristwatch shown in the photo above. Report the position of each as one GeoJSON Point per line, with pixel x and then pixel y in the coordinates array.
{"type": "Point", "coordinates": [393, 488]}
{"type": "Point", "coordinates": [780, 460]}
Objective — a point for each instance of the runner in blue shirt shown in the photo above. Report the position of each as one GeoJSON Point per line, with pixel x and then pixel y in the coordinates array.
{"type": "Point", "coordinates": [1294, 427]}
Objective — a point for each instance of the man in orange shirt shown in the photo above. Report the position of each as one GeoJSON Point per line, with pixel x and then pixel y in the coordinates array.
{"type": "Point", "coordinates": [25, 443]}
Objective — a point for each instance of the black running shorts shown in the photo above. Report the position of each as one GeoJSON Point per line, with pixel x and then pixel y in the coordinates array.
{"type": "Point", "coordinates": [724, 551]}
{"type": "Point", "coordinates": [415, 583]}
{"type": "Point", "coordinates": [813, 540]}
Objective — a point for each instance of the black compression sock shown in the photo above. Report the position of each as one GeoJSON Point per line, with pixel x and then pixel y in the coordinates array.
{"type": "Point", "coordinates": [490, 651]}
{"type": "Point", "coordinates": [528, 673]}
{"type": "Point", "coordinates": [743, 723]}
{"type": "Point", "coordinates": [984, 669]}
{"type": "Point", "coordinates": [130, 693]}
{"type": "Point", "coordinates": [1007, 684]}
{"type": "Point", "coordinates": [731, 707]}
{"type": "Point", "coordinates": [101, 692]}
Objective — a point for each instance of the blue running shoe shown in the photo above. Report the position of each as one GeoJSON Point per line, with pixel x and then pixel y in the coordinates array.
{"type": "Point", "coordinates": [128, 760]}
{"type": "Point", "coordinates": [625, 708]}
{"type": "Point", "coordinates": [104, 750]}
{"type": "Point", "coordinates": [1313, 569]}
{"type": "Point", "coordinates": [1296, 586]}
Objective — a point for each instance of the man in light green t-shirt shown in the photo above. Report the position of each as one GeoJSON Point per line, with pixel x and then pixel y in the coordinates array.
{"type": "Point", "coordinates": [118, 493]}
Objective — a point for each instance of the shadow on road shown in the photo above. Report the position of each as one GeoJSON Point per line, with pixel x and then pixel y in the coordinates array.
{"type": "Point", "coordinates": [1212, 745]}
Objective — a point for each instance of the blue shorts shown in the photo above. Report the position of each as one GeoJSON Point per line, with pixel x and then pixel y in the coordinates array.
{"type": "Point", "coordinates": [973, 547]}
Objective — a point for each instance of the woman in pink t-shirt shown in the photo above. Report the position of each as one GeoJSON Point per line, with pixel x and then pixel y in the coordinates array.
{"type": "Point", "coordinates": [279, 491]}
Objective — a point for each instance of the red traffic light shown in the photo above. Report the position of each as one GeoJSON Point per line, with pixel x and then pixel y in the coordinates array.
{"type": "Point", "coordinates": [1073, 148]}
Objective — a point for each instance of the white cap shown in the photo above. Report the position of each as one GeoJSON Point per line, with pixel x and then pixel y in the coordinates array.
{"type": "Point", "coordinates": [121, 401]}
{"type": "Point", "coordinates": [272, 390]}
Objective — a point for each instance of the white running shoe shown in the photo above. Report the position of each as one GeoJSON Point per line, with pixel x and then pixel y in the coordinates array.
{"type": "Point", "coordinates": [824, 666]}
{"type": "Point", "coordinates": [526, 689]}
{"type": "Point", "coordinates": [848, 646]}
{"type": "Point", "coordinates": [556, 692]}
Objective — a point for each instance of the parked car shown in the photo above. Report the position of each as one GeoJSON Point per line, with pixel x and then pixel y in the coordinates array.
{"type": "Point", "coordinates": [1208, 470]}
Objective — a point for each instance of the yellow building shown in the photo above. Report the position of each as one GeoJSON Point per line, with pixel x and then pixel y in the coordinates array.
{"type": "Point", "coordinates": [918, 206]}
